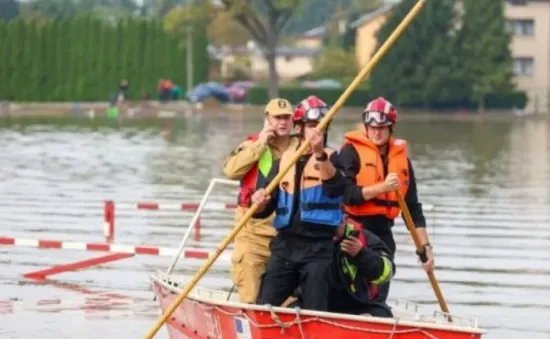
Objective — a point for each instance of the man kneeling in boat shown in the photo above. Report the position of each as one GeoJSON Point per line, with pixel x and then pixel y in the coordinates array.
{"type": "Point", "coordinates": [308, 211]}
{"type": "Point", "coordinates": [361, 263]}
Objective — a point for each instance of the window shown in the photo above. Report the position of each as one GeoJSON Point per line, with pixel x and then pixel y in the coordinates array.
{"type": "Point", "coordinates": [524, 66]}
{"type": "Point", "coordinates": [521, 27]}
{"type": "Point", "coordinates": [518, 2]}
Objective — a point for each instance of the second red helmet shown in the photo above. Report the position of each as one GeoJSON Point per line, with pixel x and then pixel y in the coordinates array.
{"type": "Point", "coordinates": [310, 109]}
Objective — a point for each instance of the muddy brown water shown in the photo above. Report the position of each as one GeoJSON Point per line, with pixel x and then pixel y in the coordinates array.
{"type": "Point", "coordinates": [487, 178]}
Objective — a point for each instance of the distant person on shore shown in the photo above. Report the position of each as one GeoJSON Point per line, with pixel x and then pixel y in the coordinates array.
{"type": "Point", "coordinates": [176, 92]}
{"type": "Point", "coordinates": [122, 94]}
{"type": "Point", "coordinates": [164, 89]}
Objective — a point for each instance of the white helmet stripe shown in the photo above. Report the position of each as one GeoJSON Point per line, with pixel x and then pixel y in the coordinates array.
{"type": "Point", "coordinates": [305, 105]}
{"type": "Point", "coordinates": [369, 106]}
{"type": "Point", "coordinates": [387, 107]}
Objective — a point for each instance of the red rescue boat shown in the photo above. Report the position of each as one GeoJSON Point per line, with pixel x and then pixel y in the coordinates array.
{"type": "Point", "coordinates": [214, 314]}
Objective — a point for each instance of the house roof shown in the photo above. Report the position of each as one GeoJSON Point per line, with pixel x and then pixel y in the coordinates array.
{"type": "Point", "coordinates": [313, 33]}
{"type": "Point", "coordinates": [286, 51]}
{"type": "Point", "coordinates": [321, 31]}
{"type": "Point", "coordinates": [371, 15]}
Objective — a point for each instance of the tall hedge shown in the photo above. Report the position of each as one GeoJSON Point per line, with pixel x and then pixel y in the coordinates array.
{"type": "Point", "coordinates": [84, 59]}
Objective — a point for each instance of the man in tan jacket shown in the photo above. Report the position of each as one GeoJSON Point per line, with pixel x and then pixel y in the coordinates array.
{"type": "Point", "coordinates": [250, 163]}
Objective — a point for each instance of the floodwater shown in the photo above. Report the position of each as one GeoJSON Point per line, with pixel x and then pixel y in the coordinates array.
{"type": "Point", "coordinates": [488, 180]}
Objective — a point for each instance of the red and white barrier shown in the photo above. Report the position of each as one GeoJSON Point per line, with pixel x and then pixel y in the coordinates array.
{"type": "Point", "coordinates": [105, 247]}
{"type": "Point", "coordinates": [192, 207]}
{"type": "Point", "coordinates": [109, 212]}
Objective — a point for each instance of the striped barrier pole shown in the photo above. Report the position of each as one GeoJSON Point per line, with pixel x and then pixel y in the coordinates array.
{"type": "Point", "coordinates": [109, 213]}
{"type": "Point", "coordinates": [109, 220]}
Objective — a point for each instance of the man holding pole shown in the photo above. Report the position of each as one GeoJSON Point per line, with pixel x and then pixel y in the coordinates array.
{"type": "Point", "coordinates": [250, 163]}
{"type": "Point", "coordinates": [308, 211]}
{"type": "Point", "coordinates": [376, 165]}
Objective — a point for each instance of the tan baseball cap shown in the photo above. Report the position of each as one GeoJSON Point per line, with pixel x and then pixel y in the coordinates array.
{"type": "Point", "coordinates": [279, 106]}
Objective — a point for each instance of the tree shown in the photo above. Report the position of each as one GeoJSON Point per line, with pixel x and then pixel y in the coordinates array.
{"type": "Point", "coordinates": [9, 9]}
{"type": "Point", "coordinates": [264, 19]}
{"type": "Point", "coordinates": [485, 42]}
{"type": "Point", "coordinates": [49, 8]}
{"type": "Point", "coordinates": [188, 21]}
{"type": "Point", "coordinates": [84, 58]}
{"type": "Point", "coordinates": [416, 72]}
{"type": "Point", "coordinates": [223, 30]}
{"type": "Point", "coordinates": [159, 8]}
{"type": "Point", "coordinates": [335, 62]}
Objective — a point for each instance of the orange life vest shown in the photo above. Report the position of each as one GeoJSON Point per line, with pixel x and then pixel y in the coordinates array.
{"type": "Point", "coordinates": [371, 172]}
{"type": "Point", "coordinates": [256, 177]}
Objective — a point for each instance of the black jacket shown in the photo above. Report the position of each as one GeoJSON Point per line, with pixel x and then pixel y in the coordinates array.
{"type": "Point", "coordinates": [344, 298]}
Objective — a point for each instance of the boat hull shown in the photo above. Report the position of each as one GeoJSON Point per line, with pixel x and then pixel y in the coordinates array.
{"type": "Point", "coordinates": [196, 318]}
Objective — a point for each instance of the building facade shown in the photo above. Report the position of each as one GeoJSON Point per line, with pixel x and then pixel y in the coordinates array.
{"type": "Point", "coordinates": [529, 22]}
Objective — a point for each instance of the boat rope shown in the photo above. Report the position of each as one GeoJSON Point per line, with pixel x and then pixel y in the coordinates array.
{"type": "Point", "coordinates": [394, 328]}
{"type": "Point", "coordinates": [283, 325]}
{"type": "Point", "coordinates": [297, 309]}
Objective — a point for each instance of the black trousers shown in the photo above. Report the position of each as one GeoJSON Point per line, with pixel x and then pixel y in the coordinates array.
{"type": "Point", "coordinates": [384, 289]}
{"type": "Point", "coordinates": [376, 309]}
{"type": "Point", "coordinates": [298, 263]}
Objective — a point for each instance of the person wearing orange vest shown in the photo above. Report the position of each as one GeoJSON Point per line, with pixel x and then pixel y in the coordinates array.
{"type": "Point", "coordinates": [376, 164]}
{"type": "Point", "coordinates": [308, 209]}
{"type": "Point", "coordinates": [250, 163]}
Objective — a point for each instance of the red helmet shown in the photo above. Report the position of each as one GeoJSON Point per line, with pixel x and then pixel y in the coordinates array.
{"type": "Point", "coordinates": [380, 112]}
{"type": "Point", "coordinates": [310, 109]}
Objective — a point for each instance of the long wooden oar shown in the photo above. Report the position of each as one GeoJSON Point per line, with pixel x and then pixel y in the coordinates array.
{"type": "Point", "coordinates": [322, 124]}
{"type": "Point", "coordinates": [421, 252]}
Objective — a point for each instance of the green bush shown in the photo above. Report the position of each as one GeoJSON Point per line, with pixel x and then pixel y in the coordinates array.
{"type": "Point", "coordinates": [360, 97]}
{"type": "Point", "coordinates": [515, 99]}
{"type": "Point", "coordinates": [83, 58]}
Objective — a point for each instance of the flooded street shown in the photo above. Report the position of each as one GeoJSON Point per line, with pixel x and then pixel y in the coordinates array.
{"type": "Point", "coordinates": [488, 182]}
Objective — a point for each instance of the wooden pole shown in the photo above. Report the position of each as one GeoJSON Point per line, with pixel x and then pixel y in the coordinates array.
{"type": "Point", "coordinates": [421, 251]}
{"type": "Point", "coordinates": [273, 184]}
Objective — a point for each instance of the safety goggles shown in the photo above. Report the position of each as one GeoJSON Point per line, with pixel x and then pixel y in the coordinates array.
{"type": "Point", "coordinates": [377, 118]}
{"type": "Point", "coordinates": [315, 114]}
